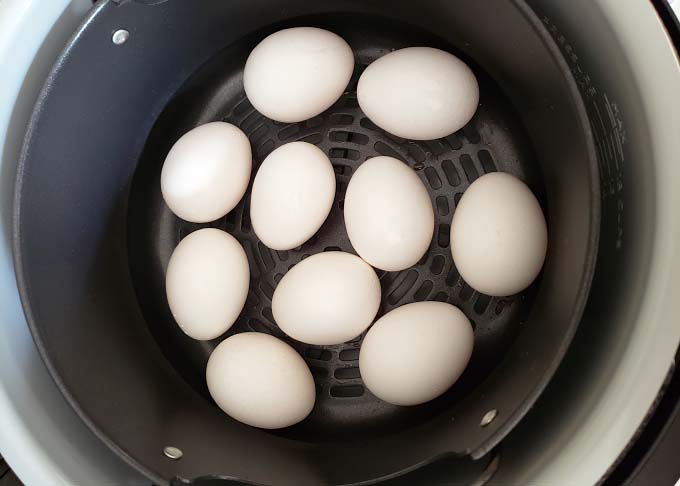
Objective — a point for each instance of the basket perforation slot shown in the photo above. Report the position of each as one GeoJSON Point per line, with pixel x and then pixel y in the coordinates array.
{"type": "Point", "coordinates": [318, 354]}
{"type": "Point", "coordinates": [433, 178]}
{"type": "Point", "coordinates": [383, 149]}
{"type": "Point", "coordinates": [469, 168]}
{"type": "Point", "coordinates": [486, 159]}
{"type": "Point", "coordinates": [346, 391]}
{"type": "Point", "coordinates": [442, 204]}
{"type": "Point", "coordinates": [351, 354]}
{"type": "Point", "coordinates": [347, 373]}
{"type": "Point", "coordinates": [402, 286]}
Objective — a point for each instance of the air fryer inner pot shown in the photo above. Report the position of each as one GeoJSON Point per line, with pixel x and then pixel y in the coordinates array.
{"type": "Point", "coordinates": [344, 408]}
{"type": "Point", "coordinates": [93, 240]}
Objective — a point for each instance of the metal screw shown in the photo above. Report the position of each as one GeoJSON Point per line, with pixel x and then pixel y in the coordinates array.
{"type": "Point", "coordinates": [173, 453]}
{"type": "Point", "coordinates": [488, 417]}
{"type": "Point", "coordinates": [120, 36]}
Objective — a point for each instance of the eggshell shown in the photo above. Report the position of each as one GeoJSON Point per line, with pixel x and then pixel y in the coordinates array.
{"type": "Point", "coordinates": [206, 172]}
{"type": "Point", "coordinates": [388, 214]}
{"type": "Point", "coordinates": [207, 283]}
{"type": "Point", "coordinates": [292, 195]}
{"type": "Point", "coordinates": [327, 298]}
{"type": "Point", "coordinates": [499, 236]}
{"type": "Point", "coordinates": [416, 352]}
{"type": "Point", "coordinates": [295, 74]}
{"type": "Point", "coordinates": [260, 381]}
{"type": "Point", "coordinates": [418, 93]}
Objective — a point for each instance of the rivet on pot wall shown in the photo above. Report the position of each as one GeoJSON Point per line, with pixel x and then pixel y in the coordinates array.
{"type": "Point", "coordinates": [120, 36]}
{"type": "Point", "coordinates": [173, 452]}
{"type": "Point", "coordinates": [488, 417]}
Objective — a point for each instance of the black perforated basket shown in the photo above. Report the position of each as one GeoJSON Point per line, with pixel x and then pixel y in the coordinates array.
{"type": "Point", "coordinates": [93, 235]}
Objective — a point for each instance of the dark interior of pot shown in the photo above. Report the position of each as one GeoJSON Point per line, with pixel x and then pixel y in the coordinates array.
{"type": "Point", "coordinates": [94, 236]}
{"type": "Point", "coordinates": [494, 140]}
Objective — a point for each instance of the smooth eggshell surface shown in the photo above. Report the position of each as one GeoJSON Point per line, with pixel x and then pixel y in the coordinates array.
{"type": "Point", "coordinates": [416, 352]}
{"type": "Point", "coordinates": [327, 298]}
{"type": "Point", "coordinates": [260, 381]}
{"type": "Point", "coordinates": [418, 93]}
{"type": "Point", "coordinates": [206, 172]}
{"type": "Point", "coordinates": [292, 195]}
{"type": "Point", "coordinates": [207, 283]}
{"type": "Point", "coordinates": [388, 214]}
{"type": "Point", "coordinates": [295, 74]}
{"type": "Point", "coordinates": [499, 235]}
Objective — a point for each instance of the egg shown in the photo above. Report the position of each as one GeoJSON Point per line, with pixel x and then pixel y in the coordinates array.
{"type": "Point", "coordinates": [418, 93]}
{"type": "Point", "coordinates": [260, 381]}
{"type": "Point", "coordinates": [327, 298]}
{"type": "Point", "coordinates": [416, 352]}
{"type": "Point", "coordinates": [499, 236]}
{"type": "Point", "coordinates": [292, 195]}
{"type": "Point", "coordinates": [388, 214]}
{"type": "Point", "coordinates": [295, 74]}
{"type": "Point", "coordinates": [206, 172]}
{"type": "Point", "coordinates": [206, 283]}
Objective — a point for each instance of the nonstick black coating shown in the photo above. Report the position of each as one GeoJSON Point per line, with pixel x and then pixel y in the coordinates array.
{"type": "Point", "coordinates": [93, 235]}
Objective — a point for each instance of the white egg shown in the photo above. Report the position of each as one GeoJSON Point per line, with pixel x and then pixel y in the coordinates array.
{"type": "Point", "coordinates": [295, 74]}
{"type": "Point", "coordinates": [260, 381]}
{"type": "Point", "coordinates": [499, 236]}
{"type": "Point", "coordinates": [207, 283]}
{"type": "Point", "coordinates": [388, 214]}
{"type": "Point", "coordinates": [418, 93]}
{"type": "Point", "coordinates": [292, 195]}
{"type": "Point", "coordinates": [206, 172]}
{"type": "Point", "coordinates": [416, 352]}
{"type": "Point", "coordinates": [327, 298]}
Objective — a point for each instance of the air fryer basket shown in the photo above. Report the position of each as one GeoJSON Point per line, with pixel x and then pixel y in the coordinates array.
{"type": "Point", "coordinates": [447, 166]}
{"type": "Point", "coordinates": [93, 235]}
